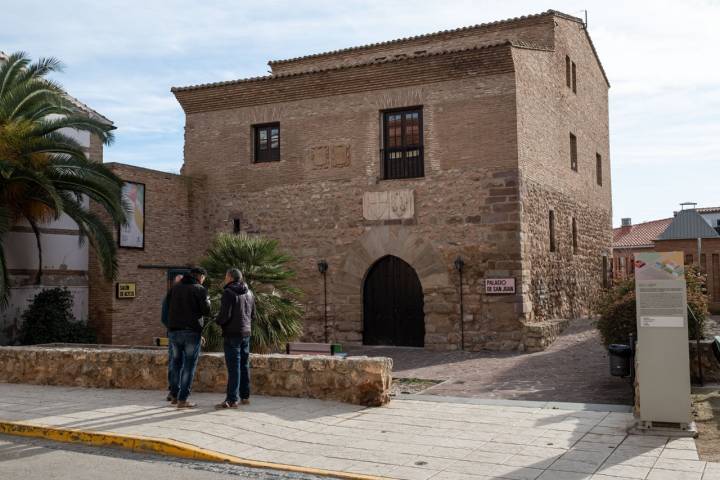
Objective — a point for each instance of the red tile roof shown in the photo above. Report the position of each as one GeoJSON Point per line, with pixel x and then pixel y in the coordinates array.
{"type": "Point", "coordinates": [640, 235]}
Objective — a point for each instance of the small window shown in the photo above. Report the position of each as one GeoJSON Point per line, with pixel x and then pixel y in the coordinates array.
{"type": "Point", "coordinates": [605, 271]}
{"type": "Point", "coordinates": [574, 236]}
{"type": "Point", "coordinates": [552, 230]}
{"type": "Point", "coordinates": [236, 225]}
{"type": "Point", "coordinates": [567, 72]}
{"type": "Point", "coordinates": [403, 144]}
{"type": "Point", "coordinates": [598, 169]}
{"type": "Point", "coordinates": [573, 153]}
{"type": "Point", "coordinates": [574, 78]}
{"type": "Point", "coordinates": [267, 142]}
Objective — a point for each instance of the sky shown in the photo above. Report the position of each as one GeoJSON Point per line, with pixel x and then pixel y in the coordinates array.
{"type": "Point", "coordinates": [122, 57]}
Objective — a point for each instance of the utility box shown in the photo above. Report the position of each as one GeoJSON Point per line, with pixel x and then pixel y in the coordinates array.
{"type": "Point", "coordinates": [663, 362]}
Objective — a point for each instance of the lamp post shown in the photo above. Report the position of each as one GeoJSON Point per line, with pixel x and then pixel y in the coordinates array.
{"type": "Point", "coordinates": [322, 266]}
{"type": "Point", "coordinates": [459, 266]}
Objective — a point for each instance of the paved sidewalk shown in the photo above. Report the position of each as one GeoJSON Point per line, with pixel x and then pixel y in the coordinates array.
{"type": "Point", "coordinates": [409, 439]}
{"type": "Point", "coordinates": [573, 369]}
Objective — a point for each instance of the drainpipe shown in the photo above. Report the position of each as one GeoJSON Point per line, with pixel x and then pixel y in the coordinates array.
{"type": "Point", "coordinates": [323, 268]}
{"type": "Point", "coordinates": [459, 266]}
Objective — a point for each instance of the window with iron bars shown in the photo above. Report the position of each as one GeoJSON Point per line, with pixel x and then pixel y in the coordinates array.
{"type": "Point", "coordinates": [402, 152]}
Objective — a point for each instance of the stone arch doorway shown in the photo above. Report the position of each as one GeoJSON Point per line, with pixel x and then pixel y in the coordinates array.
{"type": "Point", "coordinates": [393, 304]}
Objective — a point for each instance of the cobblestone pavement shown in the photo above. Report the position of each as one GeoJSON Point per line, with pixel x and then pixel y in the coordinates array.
{"type": "Point", "coordinates": [408, 439]}
{"type": "Point", "coordinates": [37, 459]}
{"type": "Point", "coordinates": [574, 369]}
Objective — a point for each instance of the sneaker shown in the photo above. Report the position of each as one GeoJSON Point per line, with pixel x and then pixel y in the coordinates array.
{"type": "Point", "coordinates": [226, 404]}
{"type": "Point", "coordinates": [186, 404]}
{"type": "Point", "coordinates": [169, 397]}
{"type": "Point", "coordinates": [174, 401]}
{"type": "Point", "coordinates": [245, 401]}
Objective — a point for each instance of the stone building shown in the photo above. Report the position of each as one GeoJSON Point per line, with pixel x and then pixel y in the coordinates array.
{"type": "Point", "coordinates": [391, 162]}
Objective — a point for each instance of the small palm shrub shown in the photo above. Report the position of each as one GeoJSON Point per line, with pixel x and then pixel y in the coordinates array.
{"type": "Point", "coordinates": [265, 268]}
{"type": "Point", "coordinates": [616, 308]}
{"type": "Point", "coordinates": [49, 319]}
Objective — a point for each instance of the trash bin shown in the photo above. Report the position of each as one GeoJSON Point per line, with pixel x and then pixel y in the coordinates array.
{"type": "Point", "coordinates": [620, 358]}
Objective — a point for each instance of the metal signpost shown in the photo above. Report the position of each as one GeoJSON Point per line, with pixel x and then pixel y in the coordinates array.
{"type": "Point", "coordinates": [663, 358]}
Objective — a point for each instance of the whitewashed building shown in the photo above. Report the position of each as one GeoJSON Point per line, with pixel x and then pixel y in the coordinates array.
{"type": "Point", "coordinates": [65, 262]}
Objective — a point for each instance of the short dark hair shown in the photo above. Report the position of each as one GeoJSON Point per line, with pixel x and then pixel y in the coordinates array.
{"type": "Point", "coordinates": [235, 274]}
{"type": "Point", "coordinates": [197, 271]}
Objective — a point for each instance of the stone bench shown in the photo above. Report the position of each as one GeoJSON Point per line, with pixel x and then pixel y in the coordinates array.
{"type": "Point", "coordinates": [357, 380]}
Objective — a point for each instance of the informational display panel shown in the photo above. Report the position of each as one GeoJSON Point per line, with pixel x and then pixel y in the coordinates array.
{"type": "Point", "coordinates": [663, 357]}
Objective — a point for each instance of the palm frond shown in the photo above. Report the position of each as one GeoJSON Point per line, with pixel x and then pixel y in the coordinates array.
{"type": "Point", "coordinates": [93, 228]}
{"type": "Point", "coordinates": [266, 271]}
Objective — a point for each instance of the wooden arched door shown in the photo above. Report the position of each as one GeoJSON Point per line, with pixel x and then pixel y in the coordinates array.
{"type": "Point", "coordinates": [393, 305]}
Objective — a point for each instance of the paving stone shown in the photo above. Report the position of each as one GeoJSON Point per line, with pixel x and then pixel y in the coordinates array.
{"type": "Point", "coordinates": [626, 471]}
{"type": "Point", "coordinates": [660, 474]}
{"type": "Point", "coordinates": [394, 441]}
{"type": "Point", "coordinates": [680, 465]}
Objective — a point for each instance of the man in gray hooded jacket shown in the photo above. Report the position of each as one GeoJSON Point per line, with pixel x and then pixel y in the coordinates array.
{"type": "Point", "coordinates": [237, 311]}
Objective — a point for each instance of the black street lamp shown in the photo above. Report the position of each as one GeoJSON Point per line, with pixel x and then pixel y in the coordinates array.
{"type": "Point", "coordinates": [459, 266]}
{"type": "Point", "coordinates": [322, 266]}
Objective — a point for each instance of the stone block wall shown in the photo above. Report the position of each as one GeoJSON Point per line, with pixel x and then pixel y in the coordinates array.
{"type": "Point", "coordinates": [357, 380]}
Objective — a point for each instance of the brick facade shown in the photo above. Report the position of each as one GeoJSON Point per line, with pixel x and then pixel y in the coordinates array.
{"type": "Point", "coordinates": [496, 119]}
{"type": "Point", "coordinates": [168, 243]}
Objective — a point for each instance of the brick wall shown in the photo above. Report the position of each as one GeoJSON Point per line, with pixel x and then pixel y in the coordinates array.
{"type": "Point", "coordinates": [535, 29]}
{"type": "Point", "coordinates": [709, 262]}
{"type": "Point", "coordinates": [466, 203]}
{"type": "Point", "coordinates": [168, 242]}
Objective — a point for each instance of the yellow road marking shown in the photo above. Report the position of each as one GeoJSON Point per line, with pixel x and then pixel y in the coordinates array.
{"type": "Point", "coordinates": [161, 446]}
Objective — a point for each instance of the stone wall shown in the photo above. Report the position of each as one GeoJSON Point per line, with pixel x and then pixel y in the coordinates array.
{"type": "Point", "coordinates": [466, 204]}
{"type": "Point", "coordinates": [563, 282]}
{"type": "Point", "coordinates": [357, 380]}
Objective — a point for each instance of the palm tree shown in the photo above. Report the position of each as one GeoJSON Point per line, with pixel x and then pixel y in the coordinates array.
{"type": "Point", "coordinates": [278, 312]}
{"type": "Point", "coordinates": [43, 171]}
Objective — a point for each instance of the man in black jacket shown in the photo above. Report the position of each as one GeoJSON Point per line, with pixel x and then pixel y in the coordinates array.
{"type": "Point", "coordinates": [237, 311]}
{"type": "Point", "coordinates": [188, 302]}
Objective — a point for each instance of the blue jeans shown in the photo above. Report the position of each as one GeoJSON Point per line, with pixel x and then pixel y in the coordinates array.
{"type": "Point", "coordinates": [237, 360]}
{"type": "Point", "coordinates": [185, 351]}
{"type": "Point", "coordinates": [170, 357]}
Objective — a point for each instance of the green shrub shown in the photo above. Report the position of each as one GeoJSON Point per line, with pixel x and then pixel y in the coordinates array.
{"type": "Point", "coordinates": [278, 311]}
{"type": "Point", "coordinates": [617, 315]}
{"type": "Point", "coordinates": [49, 319]}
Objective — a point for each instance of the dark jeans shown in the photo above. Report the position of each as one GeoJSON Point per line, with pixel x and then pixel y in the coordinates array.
{"type": "Point", "coordinates": [237, 360]}
{"type": "Point", "coordinates": [185, 351]}
{"type": "Point", "coordinates": [170, 357]}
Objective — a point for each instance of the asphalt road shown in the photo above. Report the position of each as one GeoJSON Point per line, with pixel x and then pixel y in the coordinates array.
{"type": "Point", "coordinates": [34, 459]}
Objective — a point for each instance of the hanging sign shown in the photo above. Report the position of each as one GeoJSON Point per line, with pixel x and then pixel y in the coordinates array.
{"type": "Point", "coordinates": [495, 286]}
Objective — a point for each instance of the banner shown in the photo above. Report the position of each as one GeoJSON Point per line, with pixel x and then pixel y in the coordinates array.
{"type": "Point", "coordinates": [132, 235]}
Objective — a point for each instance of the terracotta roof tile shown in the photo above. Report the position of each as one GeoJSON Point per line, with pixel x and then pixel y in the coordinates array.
{"type": "Point", "coordinates": [640, 235]}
